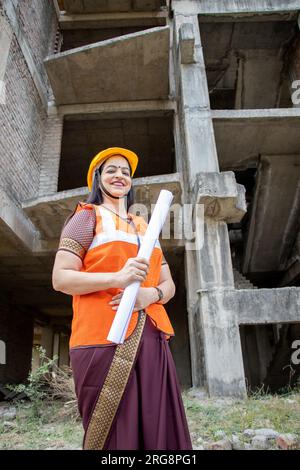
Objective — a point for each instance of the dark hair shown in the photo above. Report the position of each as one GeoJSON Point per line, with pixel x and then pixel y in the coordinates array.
{"type": "Point", "coordinates": [96, 196]}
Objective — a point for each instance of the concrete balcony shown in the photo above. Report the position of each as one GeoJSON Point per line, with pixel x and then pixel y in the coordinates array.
{"type": "Point", "coordinates": [131, 67]}
{"type": "Point", "coordinates": [48, 213]}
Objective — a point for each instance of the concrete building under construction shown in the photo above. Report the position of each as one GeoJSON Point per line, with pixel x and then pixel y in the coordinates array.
{"type": "Point", "coordinates": [205, 92]}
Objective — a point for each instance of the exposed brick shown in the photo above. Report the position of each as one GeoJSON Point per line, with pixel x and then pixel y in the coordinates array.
{"type": "Point", "coordinates": [23, 117]}
{"type": "Point", "coordinates": [39, 24]}
{"type": "Point", "coordinates": [51, 156]}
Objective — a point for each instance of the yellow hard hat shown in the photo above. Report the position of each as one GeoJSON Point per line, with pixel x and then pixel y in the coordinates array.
{"type": "Point", "coordinates": [104, 155]}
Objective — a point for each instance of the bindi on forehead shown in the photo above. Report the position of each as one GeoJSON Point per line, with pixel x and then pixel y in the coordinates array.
{"type": "Point", "coordinates": [118, 166]}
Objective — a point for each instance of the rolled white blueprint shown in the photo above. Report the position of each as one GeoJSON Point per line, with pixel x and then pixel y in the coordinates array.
{"type": "Point", "coordinates": [122, 318]}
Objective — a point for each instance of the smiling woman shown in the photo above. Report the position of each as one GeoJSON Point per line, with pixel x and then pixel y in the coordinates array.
{"type": "Point", "coordinates": [128, 395]}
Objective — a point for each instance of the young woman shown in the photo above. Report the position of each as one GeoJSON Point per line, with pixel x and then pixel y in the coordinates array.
{"type": "Point", "coordinates": [128, 395]}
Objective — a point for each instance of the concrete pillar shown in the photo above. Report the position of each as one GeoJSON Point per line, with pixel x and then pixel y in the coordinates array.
{"type": "Point", "coordinates": [195, 331]}
{"type": "Point", "coordinates": [64, 350]}
{"type": "Point", "coordinates": [16, 332]}
{"type": "Point", "coordinates": [197, 131]}
{"type": "Point", "coordinates": [214, 332]}
{"type": "Point", "coordinates": [50, 160]}
{"type": "Point", "coordinates": [47, 340]}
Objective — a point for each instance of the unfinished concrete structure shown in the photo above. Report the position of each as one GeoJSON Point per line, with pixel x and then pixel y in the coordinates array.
{"type": "Point", "coordinates": [202, 91]}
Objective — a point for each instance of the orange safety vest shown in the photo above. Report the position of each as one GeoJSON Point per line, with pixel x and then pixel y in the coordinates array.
{"type": "Point", "coordinates": [114, 242]}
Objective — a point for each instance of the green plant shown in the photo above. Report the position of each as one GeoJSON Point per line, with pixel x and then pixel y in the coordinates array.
{"type": "Point", "coordinates": [37, 386]}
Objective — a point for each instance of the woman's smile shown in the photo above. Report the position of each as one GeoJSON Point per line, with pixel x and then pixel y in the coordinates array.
{"type": "Point", "coordinates": [118, 183]}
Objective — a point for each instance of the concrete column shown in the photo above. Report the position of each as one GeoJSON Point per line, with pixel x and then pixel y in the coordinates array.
{"type": "Point", "coordinates": [16, 332]}
{"type": "Point", "coordinates": [214, 331]}
{"type": "Point", "coordinates": [64, 350]}
{"type": "Point", "coordinates": [47, 340]}
{"type": "Point", "coordinates": [195, 331]}
{"type": "Point", "coordinates": [50, 160]}
{"type": "Point", "coordinates": [194, 109]}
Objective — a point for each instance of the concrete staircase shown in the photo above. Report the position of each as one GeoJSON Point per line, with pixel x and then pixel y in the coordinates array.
{"type": "Point", "coordinates": [241, 282]}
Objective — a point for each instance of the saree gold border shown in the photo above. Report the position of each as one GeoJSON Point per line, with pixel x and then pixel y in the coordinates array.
{"type": "Point", "coordinates": [113, 389]}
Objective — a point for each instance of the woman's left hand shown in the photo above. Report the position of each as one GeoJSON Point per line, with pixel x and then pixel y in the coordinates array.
{"type": "Point", "coordinates": [143, 299]}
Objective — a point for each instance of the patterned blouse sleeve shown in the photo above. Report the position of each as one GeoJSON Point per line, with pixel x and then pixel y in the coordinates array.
{"type": "Point", "coordinates": [78, 232]}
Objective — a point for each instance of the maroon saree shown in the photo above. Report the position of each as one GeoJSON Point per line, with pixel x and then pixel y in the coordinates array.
{"type": "Point", "coordinates": [150, 415]}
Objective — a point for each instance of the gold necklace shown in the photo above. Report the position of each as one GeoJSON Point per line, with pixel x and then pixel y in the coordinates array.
{"type": "Point", "coordinates": [123, 218]}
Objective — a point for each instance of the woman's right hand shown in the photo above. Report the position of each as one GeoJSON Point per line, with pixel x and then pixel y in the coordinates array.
{"type": "Point", "coordinates": [135, 269]}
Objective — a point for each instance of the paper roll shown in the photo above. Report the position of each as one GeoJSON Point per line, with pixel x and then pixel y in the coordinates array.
{"type": "Point", "coordinates": [122, 318]}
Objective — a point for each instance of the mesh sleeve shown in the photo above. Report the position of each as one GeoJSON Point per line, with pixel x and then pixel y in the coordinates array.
{"type": "Point", "coordinates": [78, 233]}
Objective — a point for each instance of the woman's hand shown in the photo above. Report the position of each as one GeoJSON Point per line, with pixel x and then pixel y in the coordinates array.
{"type": "Point", "coordinates": [146, 296]}
{"type": "Point", "coordinates": [135, 269]}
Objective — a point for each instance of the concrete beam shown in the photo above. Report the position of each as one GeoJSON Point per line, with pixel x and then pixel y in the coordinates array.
{"type": "Point", "coordinates": [255, 114]}
{"type": "Point", "coordinates": [114, 110]}
{"type": "Point", "coordinates": [131, 67]}
{"type": "Point", "coordinates": [264, 306]}
{"type": "Point", "coordinates": [94, 6]}
{"type": "Point", "coordinates": [112, 20]}
{"type": "Point", "coordinates": [242, 135]}
{"type": "Point", "coordinates": [16, 230]}
{"type": "Point", "coordinates": [220, 7]}
{"type": "Point", "coordinates": [222, 197]}
{"type": "Point", "coordinates": [48, 213]}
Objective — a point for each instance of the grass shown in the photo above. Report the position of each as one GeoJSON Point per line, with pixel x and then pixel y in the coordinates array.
{"type": "Point", "coordinates": [49, 430]}
{"type": "Point", "coordinates": [233, 416]}
{"type": "Point", "coordinates": [52, 428]}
